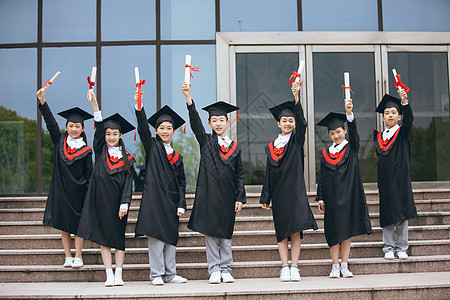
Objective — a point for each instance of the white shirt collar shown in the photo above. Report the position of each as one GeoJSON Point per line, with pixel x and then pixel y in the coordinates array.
{"type": "Point", "coordinates": [75, 143]}
{"type": "Point", "coordinates": [282, 140]}
{"type": "Point", "coordinates": [337, 148]}
{"type": "Point", "coordinates": [389, 133]}
{"type": "Point", "coordinates": [224, 141]}
{"type": "Point", "coordinates": [115, 151]}
{"type": "Point", "coordinates": [168, 148]}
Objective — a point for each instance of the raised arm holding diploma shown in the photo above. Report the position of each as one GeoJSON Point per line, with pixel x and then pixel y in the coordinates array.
{"type": "Point", "coordinates": [187, 69]}
{"type": "Point", "coordinates": [347, 85]}
{"type": "Point", "coordinates": [297, 75]}
{"type": "Point", "coordinates": [398, 82]}
{"type": "Point", "coordinates": [139, 83]}
{"type": "Point", "coordinates": [48, 82]}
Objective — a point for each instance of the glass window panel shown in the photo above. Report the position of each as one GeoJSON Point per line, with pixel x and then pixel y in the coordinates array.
{"type": "Point", "coordinates": [343, 15]}
{"type": "Point", "coordinates": [329, 71]}
{"type": "Point", "coordinates": [18, 121]}
{"type": "Point", "coordinates": [69, 21]}
{"type": "Point", "coordinates": [426, 74]}
{"type": "Point", "coordinates": [67, 91]}
{"type": "Point", "coordinates": [203, 93]}
{"type": "Point", "coordinates": [258, 15]}
{"type": "Point", "coordinates": [257, 127]}
{"type": "Point", "coordinates": [128, 20]}
{"type": "Point", "coordinates": [188, 20]}
{"type": "Point", "coordinates": [119, 86]}
{"type": "Point", "coordinates": [416, 15]}
{"type": "Point", "coordinates": [18, 21]}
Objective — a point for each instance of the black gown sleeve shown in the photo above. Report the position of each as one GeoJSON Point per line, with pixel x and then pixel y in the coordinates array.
{"type": "Point", "coordinates": [144, 131]}
{"type": "Point", "coordinates": [353, 135]}
{"type": "Point", "coordinates": [88, 168]}
{"type": "Point", "coordinates": [181, 178]}
{"type": "Point", "coordinates": [408, 119]}
{"type": "Point", "coordinates": [127, 188]}
{"type": "Point", "coordinates": [240, 187]}
{"type": "Point", "coordinates": [99, 138]}
{"type": "Point", "coordinates": [52, 125]}
{"type": "Point", "coordinates": [265, 193]}
{"type": "Point", "coordinates": [320, 185]}
{"type": "Point", "coordinates": [300, 126]}
{"type": "Point", "coordinates": [196, 124]}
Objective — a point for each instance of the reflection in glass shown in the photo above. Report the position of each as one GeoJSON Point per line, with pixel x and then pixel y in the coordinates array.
{"type": "Point", "coordinates": [128, 20]}
{"type": "Point", "coordinates": [69, 21]}
{"type": "Point", "coordinates": [426, 74]}
{"type": "Point", "coordinates": [329, 71]}
{"type": "Point", "coordinates": [188, 20]}
{"type": "Point", "coordinates": [20, 26]}
{"type": "Point", "coordinates": [258, 15]}
{"type": "Point", "coordinates": [343, 15]}
{"type": "Point", "coordinates": [261, 83]}
{"type": "Point", "coordinates": [18, 121]}
{"type": "Point", "coordinates": [203, 92]}
{"type": "Point", "coordinates": [416, 15]}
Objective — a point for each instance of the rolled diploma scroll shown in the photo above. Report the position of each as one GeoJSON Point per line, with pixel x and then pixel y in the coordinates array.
{"type": "Point", "coordinates": [51, 80]}
{"type": "Point", "coordinates": [187, 70]}
{"type": "Point", "coordinates": [136, 75]}
{"type": "Point", "coordinates": [347, 85]}
{"type": "Point", "coordinates": [395, 77]}
{"type": "Point", "coordinates": [300, 70]}
{"type": "Point", "coordinates": [93, 74]}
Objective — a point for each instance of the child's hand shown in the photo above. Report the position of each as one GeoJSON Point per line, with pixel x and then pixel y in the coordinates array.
{"type": "Point", "coordinates": [122, 213]}
{"type": "Point", "coordinates": [321, 207]}
{"type": "Point", "coordinates": [348, 106]}
{"type": "Point", "coordinates": [238, 206]}
{"type": "Point", "coordinates": [295, 88]}
{"type": "Point", "coordinates": [403, 95]}
{"type": "Point", "coordinates": [91, 97]}
{"type": "Point", "coordinates": [41, 96]}
{"type": "Point", "coordinates": [186, 90]}
{"type": "Point", "coordinates": [265, 206]}
{"type": "Point", "coordinates": [136, 95]}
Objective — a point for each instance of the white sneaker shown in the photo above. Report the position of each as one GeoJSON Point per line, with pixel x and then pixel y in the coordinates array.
{"type": "Point", "coordinates": [294, 274]}
{"type": "Point", "coordinates": [285, 274]}
{"type": "Point", "coordinates": [77, 263]}
{"type": "Point", "coordinates": [68, 262]}
{"type": "Point", "coordinates": [227, 278]}
{"type": "Point", "coordinates": [389, 255]}
{"type": "Point", "coordinates": [118, 277]}
{"type": "Point", "coordinates": [158, 281]}
{"type": "Point", "coordinates": [215, 277]}
{"type": "Point", "coordinates": [346, 272]}
{"type": "Point", "coordinates": [402, 255]}
{"type": "Point", "coordinates": [178, 279]}
{"type": "Point", "coordinates": [335, 272]}
{"type": "Point", "coordinates": [109, 278]}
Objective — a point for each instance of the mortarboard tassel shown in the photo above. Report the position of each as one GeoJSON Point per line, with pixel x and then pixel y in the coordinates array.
{"type": "Point", "coordinates": [239, 112]}
{"type": "Point", "coordinates": [184, 130]}
{"type": "Point", "coordinates": [135, 135]}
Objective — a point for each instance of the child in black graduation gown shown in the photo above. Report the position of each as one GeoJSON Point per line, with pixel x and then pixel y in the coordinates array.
{"type": "Point", "coordinates": [284, 183]}
{"type": "Point", "coordinates": [104, 217]}
{"type": "Point", "coordinates": [71, 172]}
{"type": "Point", "coordinates": [163, 198]}
{"type": "Point", "coordinates": [394, 177]}
{"type": "Point", "coordinates": [220, 191]}
{"type": "Point", "coordinates": [340, 189]}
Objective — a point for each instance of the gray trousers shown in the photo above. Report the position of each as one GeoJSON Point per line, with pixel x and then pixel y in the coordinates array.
{"type": "Point", "coordinates": [390, 243]}
{"type": "Point", "coordinates": [162, 259]}
{"type": "Point", "coordinates": [218, 254]}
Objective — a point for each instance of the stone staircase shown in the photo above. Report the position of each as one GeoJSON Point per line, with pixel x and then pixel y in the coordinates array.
{"type": "Point", "coordinates": [32, 252]}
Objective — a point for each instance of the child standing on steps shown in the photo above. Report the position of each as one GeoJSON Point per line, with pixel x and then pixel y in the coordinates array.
{"type": "Point", "coordinates": [340, 190]}
{"type": "Point", "coordinates": [104, 217]}
{"type": "Point", "coordinates": [394, 176]}
{"type": "Point", "coordinates": [220, 191]}
{"type": "Point", "coordinates": [284, 184]}
{"type": "Point", "coordinates": [163, 198]}
{"type": "Point", "coordinates": [71, 172]}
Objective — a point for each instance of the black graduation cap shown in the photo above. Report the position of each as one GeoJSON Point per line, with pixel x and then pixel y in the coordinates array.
{"type": "Point", "coordinates": [116, 121]}
{"type": "Point", "coordinates": [75, 115]}
{"type": "Point", "coordinates": [220, 108]}
{"type": "Point", "coordinates": [166, 114]}
{"type": "Point", "coordinates": [333, 120]}
{"type": "Point", "coordinates": [285, 109]}
{"type": "Point", "coordinates": [389, 101]}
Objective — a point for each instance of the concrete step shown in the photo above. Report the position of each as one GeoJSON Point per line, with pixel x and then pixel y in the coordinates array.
{"type": "Point", "coordinates": [250, 269]}
{"type": "Point", "coordinates": [410, 286]}
{"type": "Point", "coordinates": [198, 254]}
{"type": "Point", "coordinates": [250, 209]}
{"type": "Point", "coordinates": [240, 238]}
{"type": "Point", "coordinates": [242, 223]}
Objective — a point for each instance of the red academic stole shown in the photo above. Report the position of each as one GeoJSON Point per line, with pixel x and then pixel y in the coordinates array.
{"type": "Point", "coordinates": [335, 158]}
{"type": "Point", "coordinates": [275, 152]}
{"type": "Point", "coordinates": [71, 153]}
{"type": "Point", "coordinates": [114, 162]}
{"type": "Point", "coordinates": [386, 143]}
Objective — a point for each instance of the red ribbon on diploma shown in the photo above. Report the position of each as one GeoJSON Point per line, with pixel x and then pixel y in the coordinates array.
{"type": "Point", "coordinates": [138, 85]}
{"type": "Point", "coordinates": [399, 83]}
{"type": "Point", "coordinates": [193, 68]}
{"type": "Point", "coordinates": [47, 83]}
{"type": "Point", "coordinates": [91, 84]}
{"type": "Point", "coordinates": [343, 90]}
{"type": "Point", "coordinates": [294, 76]}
